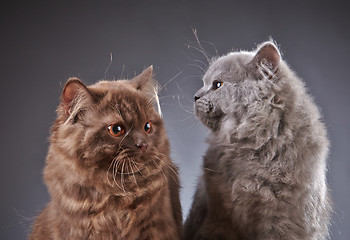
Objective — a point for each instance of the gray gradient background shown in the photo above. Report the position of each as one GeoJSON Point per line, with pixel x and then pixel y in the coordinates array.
{"type": "Point", "coordinates": [45, 43]}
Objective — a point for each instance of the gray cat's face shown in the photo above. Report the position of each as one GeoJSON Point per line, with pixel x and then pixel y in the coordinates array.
{"type": "Point", "coordinates": [233, 83]}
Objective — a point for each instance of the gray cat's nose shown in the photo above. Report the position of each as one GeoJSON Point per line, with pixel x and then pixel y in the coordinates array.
{"type": "Point", "coordinates": [196, 98]}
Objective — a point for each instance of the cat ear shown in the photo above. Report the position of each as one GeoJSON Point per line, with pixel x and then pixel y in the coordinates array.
{"type": "Point", "coordinates": [144, 79]}
{"type": "Point", "coordinates": [147, 86]}
{"type": "Point", "coordinates": [74, 96]}
{"type": "Point", "coordinates": [267, 59]}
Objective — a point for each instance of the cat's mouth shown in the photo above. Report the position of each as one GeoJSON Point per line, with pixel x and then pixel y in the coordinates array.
{"type": "Point", "coordinates": [208, 114]}
{"type": "Point", "coordinates": [129, 162]}
{"type": "Point", "coordinates": [127, 166]}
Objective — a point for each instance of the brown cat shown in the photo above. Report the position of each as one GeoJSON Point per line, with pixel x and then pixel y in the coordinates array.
{"type": "Point", "coordinates": [108, 168]}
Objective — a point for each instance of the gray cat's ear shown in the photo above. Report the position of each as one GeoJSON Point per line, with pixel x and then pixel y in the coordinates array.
{"type": "Point", "coordinates": [144, 79]}
{"type": "Point", "coordinates": [266, 59]}
{"type": "Point", "coordinates": [75, 95]}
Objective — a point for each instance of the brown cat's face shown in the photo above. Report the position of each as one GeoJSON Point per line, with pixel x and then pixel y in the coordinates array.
{"type": "Point", "coordinates": [123, 128]}
{"type": "Point", "coordinates": [110, 129]}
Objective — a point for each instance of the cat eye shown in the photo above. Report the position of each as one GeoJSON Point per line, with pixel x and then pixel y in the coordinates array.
{"type": "Point", "coordinates": [116, 130]}
{"type": "Point", "coordinates": [217, 84]}
{"type": "Point", "coordinates": [148, 127]}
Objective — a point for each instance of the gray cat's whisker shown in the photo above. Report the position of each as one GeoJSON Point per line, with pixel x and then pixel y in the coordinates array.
{"type": "Point", "coordinates": [182, 107]}
{"type": "Point", "coordinates": [199, 61]}
{"type": "Point", "coordinates": [183, 94]}
{"type": "Point", "coordinates": [197, 66]}
{"type": "Point", "coordinates": [169, 81]}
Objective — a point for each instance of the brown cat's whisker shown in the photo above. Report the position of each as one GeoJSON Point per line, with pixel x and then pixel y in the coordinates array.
{"type": "Point", "coordinates": [171, 168]}
{"type": "Point", "coordinates": [160, 168]}
{"type": "Point", "coordinates": [133, 173]}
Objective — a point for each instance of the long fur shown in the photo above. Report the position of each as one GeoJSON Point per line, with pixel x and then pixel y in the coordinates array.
{"type": "Point", "coordinates": [264, 173]}
{"type": "Point", "coordinates": [103, 186]}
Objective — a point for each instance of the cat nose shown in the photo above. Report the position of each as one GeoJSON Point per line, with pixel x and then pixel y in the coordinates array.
{"type": "Point", "coordinates": [196, 97]}
{"type": "Point", "coordinates": [142, 145]}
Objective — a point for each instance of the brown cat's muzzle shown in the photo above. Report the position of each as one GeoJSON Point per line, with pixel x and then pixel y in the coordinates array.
{"type": "Point", "coordinates": [142, 146]}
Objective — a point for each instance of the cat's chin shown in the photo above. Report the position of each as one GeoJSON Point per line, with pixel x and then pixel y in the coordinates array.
{"type": "Point", "coordinates": [212, 120]}
{"type": "Point", "coordinates": [208, 114]}
{"type": "Point", "coordinates": [212, 123]}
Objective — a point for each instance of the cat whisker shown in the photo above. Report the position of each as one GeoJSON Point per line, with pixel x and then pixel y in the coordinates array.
{"type": "Point", "coordinates": [201, 62]}
{"type": "Point", "coordinates": [167, 96]}
{"type": "Point", "coordinates": [186, 119]}
{"type": "Point", "coordinates": [110, 63]}
{"type": "Point", "coordinates": [197, 66]}
{"type": "Point", "coordinates": [205, 54]}
{"type": "Point", "coordinates": [133, 172]}
{"type": "Point", "coordinates": [122, 179]}
{"type": "Point", "coordinates": [109, 168]}
{"type": "Point", "coordinates": [212, 170]}
{"type": "Point", "coordinates": [169, 167]}
{"type": "Point", "coordinates": [123, 69]}
{"type": "Point", "coordinates": [114, 173]}
{"type": "Point", "coordinates": [161, 169]}
{"type": "Point", "coordinates": [164, 86]}
{"type": "Point", "coordinates": [138, 170]}
{"type": "Point", "coordinates": [182, 107]}
{"type": "Point", "coordinates": [183, 94]}
{"type": "Point", "coordinates": [126, 134]}
{"type": "Point", "coordinates": [116, 108]}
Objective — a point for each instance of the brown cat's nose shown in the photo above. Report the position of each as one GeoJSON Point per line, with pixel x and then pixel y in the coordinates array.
{"type": "Point", "coordinates": [143, 146]}
{"type": "Point", "coordinates": [196, 98]}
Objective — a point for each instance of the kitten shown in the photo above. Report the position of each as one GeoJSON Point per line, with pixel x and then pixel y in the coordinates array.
{"type": "Point", "coordinates": [108, 168]}
{"type": "Point", "coordinates": [264, 174]}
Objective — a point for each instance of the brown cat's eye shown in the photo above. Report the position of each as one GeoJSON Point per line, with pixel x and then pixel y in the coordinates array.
{"type": "Point", "coordinates": [116, 130]}
{"type": "Point", "coordinates": [217, 84]}
{"type": "Point", "coordinates": [148, 127]}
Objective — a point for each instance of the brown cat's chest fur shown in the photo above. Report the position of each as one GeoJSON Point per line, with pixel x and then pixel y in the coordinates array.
{"type": "Point", "coordinates": [108, 217]}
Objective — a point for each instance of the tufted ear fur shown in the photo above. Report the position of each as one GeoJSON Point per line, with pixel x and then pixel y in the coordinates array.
{"type": "Point", "coordinates": [148, 86]}
{"type": "Point", "coordinates": [75, 96]}
{"type": "Point", "coordinates": [141, 81]}
{"type": "Point", "coordinates": [267, 59]}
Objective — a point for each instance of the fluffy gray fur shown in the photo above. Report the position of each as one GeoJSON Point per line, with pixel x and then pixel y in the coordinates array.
{"type": "Point", "coordinates": [264, 174]}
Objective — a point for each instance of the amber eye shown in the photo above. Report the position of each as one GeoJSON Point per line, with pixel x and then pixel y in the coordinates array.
{"type": "Point", "coordinates": [217, 84]}
{"type": "Point", "coordinates": [148, 127]}
{"type": "Point", "coordinates": [116, 130]}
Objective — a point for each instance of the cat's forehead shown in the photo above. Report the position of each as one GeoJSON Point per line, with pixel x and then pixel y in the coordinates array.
{"type": "Point", "coordinates": [229, 64]}
{"type": "Point", "coordinates": [121, 102]}
{"type": "Point", "coordinates": [105, 86]}
{"type": "Point", "coordinates": [129, 107]}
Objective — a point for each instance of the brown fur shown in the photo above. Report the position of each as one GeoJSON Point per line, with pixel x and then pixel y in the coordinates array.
{"type": "Point", "coordinates": [105, 187]}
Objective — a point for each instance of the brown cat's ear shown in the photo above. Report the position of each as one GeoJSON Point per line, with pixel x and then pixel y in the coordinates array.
{"type": "Point", "coordinates": [267, 59]}
{"type": "Point", "coordinates": [147, 86]}
{"type": "Point", "coordinates": [144, 79]}
{"type": "Point", "coordinates": [75, 95]}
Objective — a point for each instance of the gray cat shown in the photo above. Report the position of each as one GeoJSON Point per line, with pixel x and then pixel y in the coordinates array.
{"type": "Point", "coordinates": [264, 174]}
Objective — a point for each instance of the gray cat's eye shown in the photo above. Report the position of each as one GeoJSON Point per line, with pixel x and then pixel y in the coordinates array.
{"type": "Point", "coordinates": [217, 84]}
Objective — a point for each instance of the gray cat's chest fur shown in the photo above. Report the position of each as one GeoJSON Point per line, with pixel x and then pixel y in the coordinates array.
{"type": "Point", "coordinates": [264, 173]}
